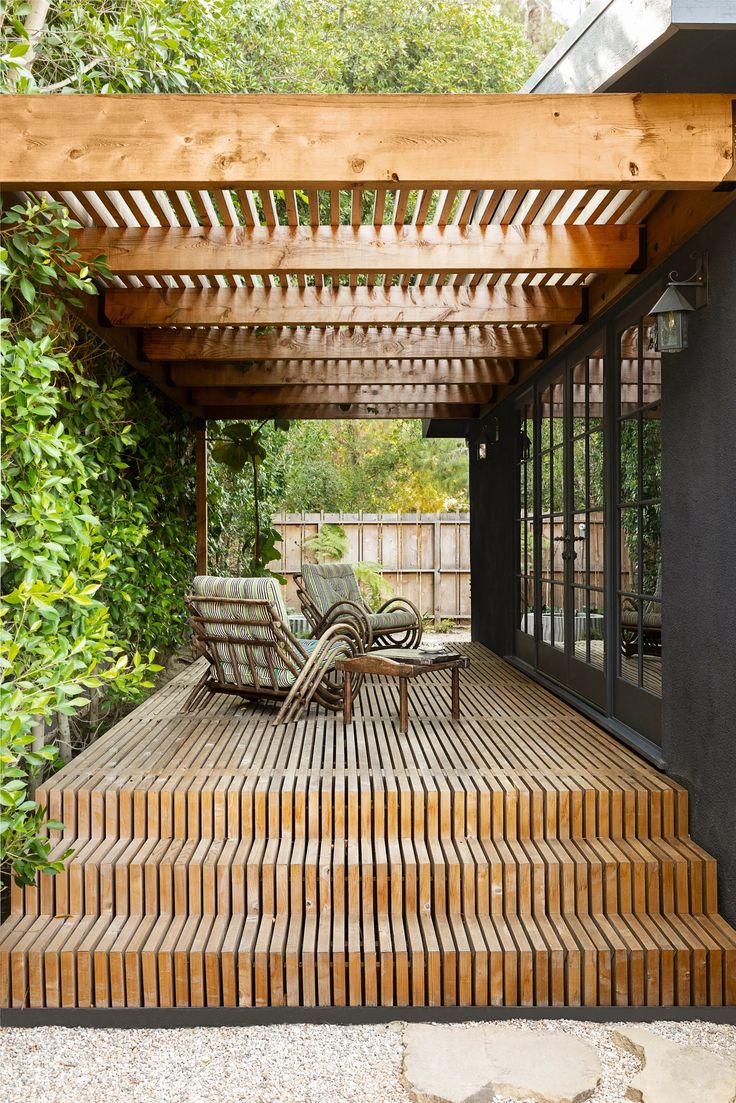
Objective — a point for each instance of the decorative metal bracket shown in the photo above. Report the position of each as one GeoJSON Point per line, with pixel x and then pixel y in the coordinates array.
{"type": "Point", "coordinates": [698, 280]}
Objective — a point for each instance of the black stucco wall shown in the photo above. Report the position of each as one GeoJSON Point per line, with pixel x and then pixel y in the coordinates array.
{"type": "Point", "coordinates": [492, 498]}
{"type": "Point", "coordinates": [699, 557]}
{"type": "Point", "coordinates": [698, 549]}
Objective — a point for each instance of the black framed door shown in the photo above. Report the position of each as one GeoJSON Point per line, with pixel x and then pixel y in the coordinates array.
{"type": "Point", "coordinates": [562, 536]}
{"type": "Point", "coordinates": [637, 417]}
{"type": "Point", "coordinates": [589, 566]}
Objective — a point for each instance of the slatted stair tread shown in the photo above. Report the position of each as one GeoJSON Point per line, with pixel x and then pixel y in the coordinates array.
{"type": "Point", "coordinates": [518, 856]}
{"type": "Point", "coordinates": [330, 958]}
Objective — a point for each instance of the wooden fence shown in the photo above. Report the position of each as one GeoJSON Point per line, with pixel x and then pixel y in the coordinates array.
{"type": "Point", "coordinates": [425, 556]}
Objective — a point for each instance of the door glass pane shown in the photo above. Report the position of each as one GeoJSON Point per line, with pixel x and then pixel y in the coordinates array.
{"type": "Point", "coordinates": [629, 460]}
{"type": "Point", "coordinates": [557, 617]}
{"type": "Point", "coordinates": [595, 472]}
{"type": "Point", "coordinates": [579, 473]}
{"type": "Point", "coordinates": [630, 640]}
{"type": "Point", "coordinates": [629, 376]}
{"type": "Point", "coordinates": [640, 481]}
{"type": "Point", "coordinates": [630, 550]}
{"type": "Point", "coordinates": [651, 429]}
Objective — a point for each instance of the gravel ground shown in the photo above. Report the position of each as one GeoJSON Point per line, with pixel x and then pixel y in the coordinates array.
{"type": "Point", "coordinates": [265, 1064]}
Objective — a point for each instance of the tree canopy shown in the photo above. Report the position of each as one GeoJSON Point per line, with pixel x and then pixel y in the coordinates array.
{"type": "Point", "coordinates": [314, 46]}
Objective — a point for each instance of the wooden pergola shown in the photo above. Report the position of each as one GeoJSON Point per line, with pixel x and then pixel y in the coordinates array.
{"type": "Point", "coordinates": [365, 256]}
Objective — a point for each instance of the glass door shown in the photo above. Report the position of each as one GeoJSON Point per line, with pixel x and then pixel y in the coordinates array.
{"type": "Point", "coordinates": [638, 681]}
{"type": "Point", "coordinates": [561, 567]}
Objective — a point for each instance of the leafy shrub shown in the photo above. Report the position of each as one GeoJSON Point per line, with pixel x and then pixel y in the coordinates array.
{"type": "Point", "coordinates": [96, 542]}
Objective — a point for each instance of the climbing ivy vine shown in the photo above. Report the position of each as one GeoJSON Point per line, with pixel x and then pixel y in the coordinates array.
{"type": "Point", "coordinates": [97, 546]}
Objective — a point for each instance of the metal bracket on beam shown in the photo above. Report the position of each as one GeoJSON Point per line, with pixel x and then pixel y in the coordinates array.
{"type": "Point", "coordinates": [102, 319]}
{"type": "Point", "coordinates": [584, 315]}
{"type": "Point", "coordinates": [139, 349]}
{"type": "Point", "coordinates": [640, 263]}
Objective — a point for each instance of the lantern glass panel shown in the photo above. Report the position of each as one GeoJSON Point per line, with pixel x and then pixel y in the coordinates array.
{"type": "Point", "coordinates": [672, 331]}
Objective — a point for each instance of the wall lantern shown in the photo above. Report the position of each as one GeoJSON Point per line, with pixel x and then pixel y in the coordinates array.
{"type": "Point", "coordinates": [672, 308]}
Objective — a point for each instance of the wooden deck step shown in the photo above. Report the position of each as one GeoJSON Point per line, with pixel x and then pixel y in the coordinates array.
{"type": "Point", "coordinates": [190, 876]}
{"type": "Point", "coordinates": [519, 856]}
{"type": "Point", "coordinates": [322, 958]}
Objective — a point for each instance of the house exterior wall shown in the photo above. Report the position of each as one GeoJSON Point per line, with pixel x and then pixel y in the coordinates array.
{"type": "Point", "coordinates": [698, 547]}
{"type": "Point", "coordinates": [699, 557]}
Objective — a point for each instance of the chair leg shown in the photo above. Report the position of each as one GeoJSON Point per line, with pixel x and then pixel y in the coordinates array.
{"type": "Point", "coordinates": [199, 693]}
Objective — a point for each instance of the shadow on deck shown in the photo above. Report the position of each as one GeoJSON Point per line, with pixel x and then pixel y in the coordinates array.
{"type": "Point", "coordinates": [518, 857]}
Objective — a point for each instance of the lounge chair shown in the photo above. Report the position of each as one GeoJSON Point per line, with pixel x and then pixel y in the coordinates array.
{"type": "Point", "coordinates": [329, 593]}
{"type": "Point", "coordinates": [651, 624]}
{"type": "Point", "coordinates": [240, 626]}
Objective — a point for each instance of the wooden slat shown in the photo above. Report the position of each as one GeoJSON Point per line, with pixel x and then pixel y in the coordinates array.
{"type": "Point", "coordinates": [333, 411]}
{"type": "Point", "coordinates": [270, 373]}
{"type": "Point", "coordinates": [517, 856]}
{"type": "Point", "coordinates": [211, 250]}
{"type": "Point", "coordinates": [368, 394]}
{"type": "Point", "coordinates": [400, 343]}
{"type": "Point", "coordinates": [343, 306]}
{"type": "Point", "coordinates": [191, 142]}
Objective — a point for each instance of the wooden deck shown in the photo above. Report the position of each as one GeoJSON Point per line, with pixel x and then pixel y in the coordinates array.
{"type": "Point", "coordinates": [519, 856]}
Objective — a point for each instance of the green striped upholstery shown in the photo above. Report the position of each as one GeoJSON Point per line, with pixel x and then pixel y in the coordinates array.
{"type": "Point", "coordinates": [328, 583]}
{"type": "Point", "coordinates": [651, 616]}
{"type": "Point", "coordinates": [259, 589]}
{"type": "Point", "coordinates": [651, 612]}
{"type": "Point", "coordinates": [385, 622]}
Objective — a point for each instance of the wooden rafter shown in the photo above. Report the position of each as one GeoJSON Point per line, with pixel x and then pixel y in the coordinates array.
{"type": "Point", "coordinates": [362, 394]}
{"type": "Point", "coordinates": [295, 306]}
{"type": "Point", "coordinates": [461, 215]}
{"type": "Point", "coordinates": [150, 141]}
{"type": "Point", "coordinates": [334, 411]}
{"type": "Point", "coordinates": [271, 373]}
{"type": "Point", "coordinates": [212, 250]}
{"type": "Point", "coordinates": [400, 343]}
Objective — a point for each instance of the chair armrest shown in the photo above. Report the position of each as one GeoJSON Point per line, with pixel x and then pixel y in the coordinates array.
{"type": "Point", "coordinates": [396, 600]}
{"type": "Point", "coordinates": [351, 613]}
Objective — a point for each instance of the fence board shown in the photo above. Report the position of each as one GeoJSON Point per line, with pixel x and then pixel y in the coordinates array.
{"type": "Point", "coordinates": [425, 556]}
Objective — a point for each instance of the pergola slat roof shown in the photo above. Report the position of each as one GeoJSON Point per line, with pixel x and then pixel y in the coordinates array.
{"type": "Point", "coordinates": [365, 255]}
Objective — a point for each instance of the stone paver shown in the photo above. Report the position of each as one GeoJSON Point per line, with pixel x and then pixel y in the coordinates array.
{"type": "Point", "coordinates": [443, 1064]}
{"type": "Point", "coordinates": [675, 1073]}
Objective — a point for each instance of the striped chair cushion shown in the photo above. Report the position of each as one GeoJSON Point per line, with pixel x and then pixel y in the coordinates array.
{"type": "Point", "coordinates": [386, 622]}
{"type": "Point", "coordinates": [260, 589]}
{"type": "Point", "coordinates": [328, 583]}
{"type": "Point", "coordinates": [651, 616]}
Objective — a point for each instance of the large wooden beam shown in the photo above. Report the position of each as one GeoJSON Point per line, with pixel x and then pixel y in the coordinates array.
{"type": "Point", "coordinates": [371, 343]}
{"type": "Point", "coordinates": [271, 373]}
{"type": "Point", "coordinates": [298, 306]}
{"type": "Point", "coordinates": [335, 412]}
{"type": "Point", "coordinates": [304, 250]}
{"type": "Point", "coordinates": [345, 394]}
{"type": "Point", "coordinates": [155, 141]}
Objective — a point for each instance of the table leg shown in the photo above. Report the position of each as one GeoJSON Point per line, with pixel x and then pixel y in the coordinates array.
{"type": "Point", "coordinates": [455, 693]}
{"type": "Point", "coordinates": [347, 699]}
{"type": "Point", "coordinates": [403, 706]}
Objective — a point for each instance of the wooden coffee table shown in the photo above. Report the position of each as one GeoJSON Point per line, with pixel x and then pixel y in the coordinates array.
{"type": "Point", "coordinates": [403, 664]}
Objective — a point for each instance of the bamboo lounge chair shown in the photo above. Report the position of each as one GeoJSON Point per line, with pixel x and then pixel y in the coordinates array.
{"type": "Point", "coordinates": [240, 626]}
{"type": "Point", "coordinates": [329, 593]}
{"type": "Point", "coordinates": [650, 630]}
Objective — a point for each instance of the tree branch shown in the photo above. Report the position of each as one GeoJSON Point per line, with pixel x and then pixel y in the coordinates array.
{"type": "Point", "coordinates": [70, 80]}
